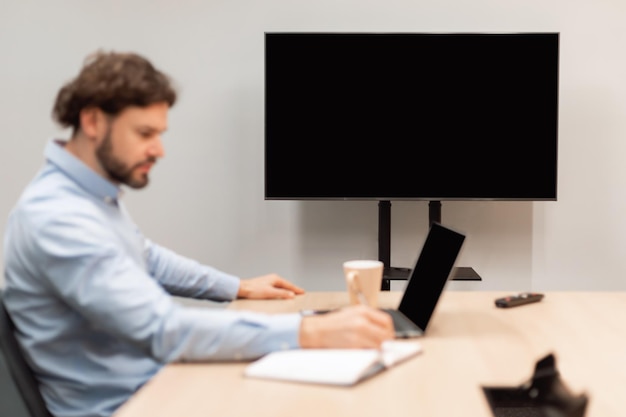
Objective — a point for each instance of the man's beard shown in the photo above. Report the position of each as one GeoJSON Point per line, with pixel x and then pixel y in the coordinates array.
{"type": "Point", "coordinates": [118, 170]}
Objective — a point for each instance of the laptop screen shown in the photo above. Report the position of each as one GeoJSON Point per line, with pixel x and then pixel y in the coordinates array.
{"type": "Point", "coordinates": [430, 274]}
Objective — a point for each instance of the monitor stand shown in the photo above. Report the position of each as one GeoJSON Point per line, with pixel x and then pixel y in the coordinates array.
{"type": "Point", "coordinates": [391, 273]}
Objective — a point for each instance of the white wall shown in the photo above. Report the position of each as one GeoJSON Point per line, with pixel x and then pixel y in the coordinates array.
{"type": "Point", "coordinates": [206, 196]}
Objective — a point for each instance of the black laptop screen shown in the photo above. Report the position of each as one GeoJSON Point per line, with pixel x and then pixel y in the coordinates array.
{"type": "Point", "coordinates": [430, 274]}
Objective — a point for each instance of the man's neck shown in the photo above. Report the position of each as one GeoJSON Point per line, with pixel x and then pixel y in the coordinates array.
{"type": "Point", "coordinates": [83, 148]}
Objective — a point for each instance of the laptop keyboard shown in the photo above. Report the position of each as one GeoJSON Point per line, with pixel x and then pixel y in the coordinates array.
{"type": "Point", "coordinates": [403, 326]}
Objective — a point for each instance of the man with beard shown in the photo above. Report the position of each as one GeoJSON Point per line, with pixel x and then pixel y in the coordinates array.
{"type": "Point", "coordinates": [91, 296]}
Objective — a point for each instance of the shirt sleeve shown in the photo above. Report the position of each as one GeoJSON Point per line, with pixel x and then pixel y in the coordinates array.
{"type": "Point", "coordinates": [83, 262]}
{"type": "Point", "coordinates": [185, 277]}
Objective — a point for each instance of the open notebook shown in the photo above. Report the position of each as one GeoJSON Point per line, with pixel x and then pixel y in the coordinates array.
{"type": "Point", "coordinates": [331, 366]}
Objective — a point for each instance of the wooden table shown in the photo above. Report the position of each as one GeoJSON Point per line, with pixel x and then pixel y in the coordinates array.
{"type": "Point", "coordinates": [469, 343]}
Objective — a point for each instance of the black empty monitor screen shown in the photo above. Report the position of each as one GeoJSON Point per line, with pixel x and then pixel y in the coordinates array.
{"type": "Point", "coordinates": [411, 116]}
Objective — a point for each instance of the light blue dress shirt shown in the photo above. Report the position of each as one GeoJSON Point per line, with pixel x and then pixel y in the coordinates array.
{"type": "Point", "coordinates": [90, 296]}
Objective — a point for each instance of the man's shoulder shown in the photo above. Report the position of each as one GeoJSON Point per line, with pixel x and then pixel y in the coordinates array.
{"type": "Point", "coordinates": [52, 187]}
{"type": "Point", "coordinates": [52, 197]}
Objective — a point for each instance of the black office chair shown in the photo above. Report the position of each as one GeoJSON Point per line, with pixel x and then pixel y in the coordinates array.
{"type": "Point", "coordinates": [19, 391]}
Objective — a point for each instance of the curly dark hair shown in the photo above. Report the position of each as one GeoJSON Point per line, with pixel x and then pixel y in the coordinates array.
{"type": "Point", "coordinates": [112, 81]}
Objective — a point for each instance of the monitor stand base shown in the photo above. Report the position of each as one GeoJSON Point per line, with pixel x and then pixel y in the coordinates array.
{"type": "Point", "coordinates": [391, 273]}
{"type": "Point", "coordinates": [461, 273]}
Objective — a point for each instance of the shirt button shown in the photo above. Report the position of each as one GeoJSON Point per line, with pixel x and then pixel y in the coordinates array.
{"type": "Point", "coordinates": [108, 199]}
{"type": "Point", "coordinates": [284, 346]}
{"type": "Point", "coordinates": [238, 356]}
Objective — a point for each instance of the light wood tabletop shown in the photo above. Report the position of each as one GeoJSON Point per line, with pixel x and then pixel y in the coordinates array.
{"type": "Point", "coordinates": [469, 344]}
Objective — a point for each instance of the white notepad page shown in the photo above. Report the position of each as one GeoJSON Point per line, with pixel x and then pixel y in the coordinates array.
{"type": "Point", "coordinates": [331, 366]}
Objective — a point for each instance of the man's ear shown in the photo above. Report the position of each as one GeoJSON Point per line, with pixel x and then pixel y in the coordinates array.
{"type": "Point", "coordinates": [92, 121]}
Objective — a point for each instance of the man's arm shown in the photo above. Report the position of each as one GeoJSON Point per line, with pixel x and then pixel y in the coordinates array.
{"type": "Point", "coordinates": [185, 277]}
{"type": "Point", "coordinates": [82, 262]}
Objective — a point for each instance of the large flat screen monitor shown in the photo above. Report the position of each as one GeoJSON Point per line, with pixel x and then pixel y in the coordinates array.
{"type": "Point", "coordinates": [411, 116]}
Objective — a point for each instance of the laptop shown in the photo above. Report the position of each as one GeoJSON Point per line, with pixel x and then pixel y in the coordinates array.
{"type": "Point", "coordinates": [426, 281]}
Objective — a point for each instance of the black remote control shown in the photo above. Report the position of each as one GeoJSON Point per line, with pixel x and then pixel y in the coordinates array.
{"type": "Point", "coordinates": [518, 300]}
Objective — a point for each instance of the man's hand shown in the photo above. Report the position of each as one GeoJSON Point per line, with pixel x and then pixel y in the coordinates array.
{"type": "Point", "coordinates": [267, 287]}
{"type": "Point", "coordinates": [351, 327]}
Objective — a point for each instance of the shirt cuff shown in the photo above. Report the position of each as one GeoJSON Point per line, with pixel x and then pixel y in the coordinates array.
{"type": "Point", "coordinates": [226, 288]}
{"type": "Point", "coordinates": [285, 331]}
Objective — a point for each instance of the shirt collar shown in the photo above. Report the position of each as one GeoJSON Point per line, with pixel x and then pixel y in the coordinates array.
{"type": "Point", "coordinates": [80, 173]}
